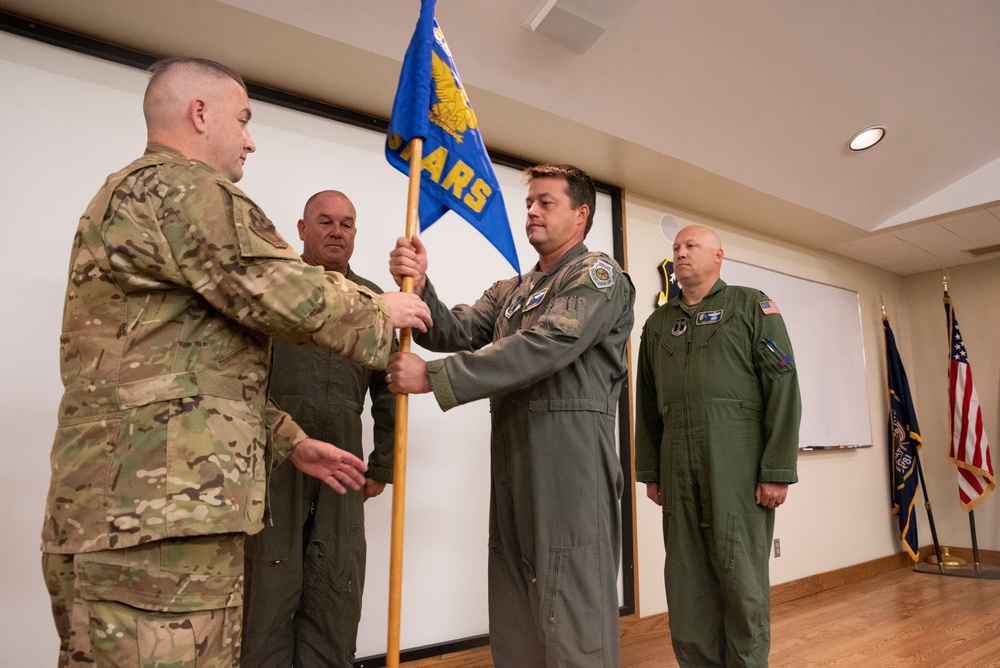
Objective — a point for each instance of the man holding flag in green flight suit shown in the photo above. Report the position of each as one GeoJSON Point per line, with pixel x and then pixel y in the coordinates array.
{"type": "Point", "coordinates": [548, 349]}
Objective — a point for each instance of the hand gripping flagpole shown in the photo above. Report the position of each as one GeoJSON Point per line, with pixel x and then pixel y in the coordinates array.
{"type": "Point", "coordinates": [402, 415]}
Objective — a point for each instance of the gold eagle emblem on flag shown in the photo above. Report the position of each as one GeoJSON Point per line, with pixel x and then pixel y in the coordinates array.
{"type": "Point", "coordinates": [452, 113]}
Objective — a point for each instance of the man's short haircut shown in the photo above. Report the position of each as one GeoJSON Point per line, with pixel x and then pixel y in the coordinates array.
{"type": "Point", "coordinates": [579, 186]}
{"type": "Point", "coordinates": [200, 65]}
{"type": "Point", "coordinates": [314, 196]}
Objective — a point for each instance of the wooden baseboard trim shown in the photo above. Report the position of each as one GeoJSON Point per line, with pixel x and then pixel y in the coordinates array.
{"type": "Point", "coordinates": [814, 584]}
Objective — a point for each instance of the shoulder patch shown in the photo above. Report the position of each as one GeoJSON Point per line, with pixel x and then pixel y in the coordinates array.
{"type": "Point", "coordinates": [602, 274]}
{"type": "Point", "coordinates": [769, 307]}
{"type": "Point", "coordinates": [264, 228]}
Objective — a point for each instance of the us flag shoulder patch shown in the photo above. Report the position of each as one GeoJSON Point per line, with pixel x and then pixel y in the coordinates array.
{"type": "Point", "coordinates": [769, 308]}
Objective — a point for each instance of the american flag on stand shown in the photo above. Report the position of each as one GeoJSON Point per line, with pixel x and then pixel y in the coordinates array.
{"type": "Point", "coordinates": [970, 449]}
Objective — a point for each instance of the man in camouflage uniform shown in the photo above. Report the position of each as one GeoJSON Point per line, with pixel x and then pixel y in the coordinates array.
{"type": "Point", "coordinates": [177, 281]}
{"type": "Point", "coordinates": [549, 351]}
{"type": "Point", "coordinates": [716, 440]}
{"type": "Point", "coordinates": [306, 570]}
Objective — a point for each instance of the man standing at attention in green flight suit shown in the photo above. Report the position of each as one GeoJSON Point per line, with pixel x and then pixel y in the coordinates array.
{"type": "Point", "coordinates": [305, 571]}
{"type": "Point", "coordinates": [177, 283]}
{"type": "Point", "coordinates": [549, 352]}
{"type": "Point", "coordinates": [716, 441]}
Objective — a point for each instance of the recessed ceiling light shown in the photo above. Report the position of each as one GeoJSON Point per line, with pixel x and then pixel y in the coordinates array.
{"type": "Point", "coordinates": [867, 138]}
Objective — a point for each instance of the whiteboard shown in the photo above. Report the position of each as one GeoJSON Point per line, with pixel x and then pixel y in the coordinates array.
{"type": "Point", "coordinates": [824, 325]}
{"type": "Point", "coordinates": [68, 120]}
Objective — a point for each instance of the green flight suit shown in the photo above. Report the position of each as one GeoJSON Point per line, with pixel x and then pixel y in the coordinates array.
{"type": "Point", "coordinates": [717, 411]}
{"type": "Point", "coordinates": [550, 355]}
{"type": "Point", "coordinates": [177, 283]}
{"type": "Point", "coordinates": [305, 571]}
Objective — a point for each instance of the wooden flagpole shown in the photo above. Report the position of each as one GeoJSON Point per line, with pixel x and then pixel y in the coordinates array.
{"type": "Point", "coordinates": [402, 416]}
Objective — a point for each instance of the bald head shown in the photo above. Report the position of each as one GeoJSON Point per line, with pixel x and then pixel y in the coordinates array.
{"type": "Point", "coordinates": [201, 109]}
{"type": "Point", "coordinates": [697, 261]}
{"type": "Point", "coordinates": [327, 229]}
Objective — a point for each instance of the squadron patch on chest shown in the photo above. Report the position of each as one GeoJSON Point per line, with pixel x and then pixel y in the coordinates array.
{"type": "Point", "coordinates": [708, 317]}
{"type": "Point", "coordinates": [602, 274]}
{"type": "Point", "coordinates": [680, 327]}
{"type": "Point", "coordinates": [515, 304]}
{"type": "Point", "coordinates": [534, 300]}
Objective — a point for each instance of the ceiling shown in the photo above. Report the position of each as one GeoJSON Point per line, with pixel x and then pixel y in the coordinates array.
{"type": "Point", "coordinates": [737, 111]}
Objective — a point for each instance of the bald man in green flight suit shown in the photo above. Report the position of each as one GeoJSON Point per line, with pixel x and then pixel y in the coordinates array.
{"type": "Point", "coordinates": [716, 440]}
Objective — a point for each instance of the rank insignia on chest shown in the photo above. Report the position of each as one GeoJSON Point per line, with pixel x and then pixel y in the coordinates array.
{"type": "Point", "coordinates": [602, 274]}
{"type": "Point", "coordinates": [514, 305]}
{"type": "Point", "coordinates": [534, 300]}
{"type": "Point", "coordinates": [708, 317]}
{"type": "Point", "coordinates": [680, 327]}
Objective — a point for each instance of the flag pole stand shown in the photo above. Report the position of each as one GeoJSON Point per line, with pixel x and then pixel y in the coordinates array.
{"type": "Point", "coordinates": [402, 415]}
{"type": "Point", "coordinates": [974, 570]}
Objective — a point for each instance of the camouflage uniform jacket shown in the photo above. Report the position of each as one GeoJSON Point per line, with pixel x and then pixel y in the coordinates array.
{"type": "Point", "coordinates": [177, 283]}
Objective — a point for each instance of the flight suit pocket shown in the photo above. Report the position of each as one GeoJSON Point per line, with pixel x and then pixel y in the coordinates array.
{"type": "Point", "coordinates": [332, 576]}
{"type": "Point", "coordinates": [745, 549]}
{"type": "Point", "coordinates": [316, 572]}
{"type": "Point", "coordinates": [573, 604]}
{"type": "Point", "coordinates": [773, 361]}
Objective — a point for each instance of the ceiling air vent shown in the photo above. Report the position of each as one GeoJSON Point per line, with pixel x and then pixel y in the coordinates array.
{"type": "Point", "coordinates": [573, 23]}
{"type": "Point", "coordinates": [985, 250]}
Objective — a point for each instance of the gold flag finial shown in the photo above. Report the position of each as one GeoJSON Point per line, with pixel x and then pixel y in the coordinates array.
{"type": "Point", "coordinates": [882, 304]}
{"type": "Point", "coordinates": [944, 279]}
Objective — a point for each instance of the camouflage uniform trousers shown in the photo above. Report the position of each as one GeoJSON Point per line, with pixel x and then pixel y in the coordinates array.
{"type": "Point", "coordinates": [174, 602]}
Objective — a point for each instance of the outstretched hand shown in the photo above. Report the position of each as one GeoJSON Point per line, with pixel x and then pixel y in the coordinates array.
{"type": "Point", "coordinates": [337, 468]}
{"type": "Point", "coordinates": [408, 310]}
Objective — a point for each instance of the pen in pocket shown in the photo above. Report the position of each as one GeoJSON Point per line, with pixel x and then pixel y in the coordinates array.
{"type": "Point", "coordinates": [785, 359]}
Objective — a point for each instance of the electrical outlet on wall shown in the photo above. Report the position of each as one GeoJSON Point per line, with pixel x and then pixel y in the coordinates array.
{"type": "Point", "coordinates": [777, 548]}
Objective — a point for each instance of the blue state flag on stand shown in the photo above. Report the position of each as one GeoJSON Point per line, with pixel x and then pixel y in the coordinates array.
{"type": "Point", "coordinates": [905, 441]}
{"type": "Point", "coordinates": [456, 170]}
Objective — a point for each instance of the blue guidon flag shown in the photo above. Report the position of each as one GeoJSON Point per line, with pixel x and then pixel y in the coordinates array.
{"type": "Point", "coordinates": [456, 170]}
{"type": "Point", "coordinates": [905, 441]}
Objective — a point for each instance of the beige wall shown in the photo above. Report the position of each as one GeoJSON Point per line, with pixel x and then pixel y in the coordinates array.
{"type": "Point", "coordinates": [975, 293]}
{"type": "Point", "coordinates": [838, 514]}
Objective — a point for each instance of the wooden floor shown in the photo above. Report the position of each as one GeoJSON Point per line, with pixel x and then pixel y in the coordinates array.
{"type": "Point", "coordinates": [892, 619]}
